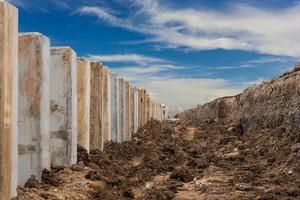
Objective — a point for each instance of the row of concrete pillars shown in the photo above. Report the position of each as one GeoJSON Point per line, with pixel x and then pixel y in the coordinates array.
{"type": "Point", "coordinates": [51, 100]}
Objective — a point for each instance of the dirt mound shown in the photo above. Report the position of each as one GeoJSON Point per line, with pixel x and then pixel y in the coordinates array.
{"type": "Point", "coordinates": [272, 104]}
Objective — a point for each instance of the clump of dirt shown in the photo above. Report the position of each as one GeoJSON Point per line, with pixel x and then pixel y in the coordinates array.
{"type": "Point", "coordinates": [51, 178]}
{"type": "Point", "coordinates": [82, 155]}
{"type": "Point", "coordinates": [182, 174]}
{"type": "Point", "coordinates": [32, 182]}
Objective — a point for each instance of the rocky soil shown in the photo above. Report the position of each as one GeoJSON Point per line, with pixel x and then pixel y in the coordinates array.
{"type": "Point", "coordinates": [209, 159]}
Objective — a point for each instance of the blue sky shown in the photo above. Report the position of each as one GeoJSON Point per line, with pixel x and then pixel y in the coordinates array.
{"type": "Point", "coordinates": [184, 52]}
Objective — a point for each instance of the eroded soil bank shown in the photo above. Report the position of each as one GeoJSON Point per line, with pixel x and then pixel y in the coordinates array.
{"type": "Point", "coordinates": [209, 159]}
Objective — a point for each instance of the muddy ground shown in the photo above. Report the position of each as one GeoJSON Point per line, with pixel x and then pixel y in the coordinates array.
{"type": "Point", "coordinates": [211, 159]}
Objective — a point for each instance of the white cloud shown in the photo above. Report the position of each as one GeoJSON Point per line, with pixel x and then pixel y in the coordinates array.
{"type": "Point", "coordinates": [241, 27]}
{"type": "Point", "coordinates": [265, 60]}
{"type": "Point", "coordinates": [135, 58]}
{"type": "Point", "coordinates": [134, 73]}
{"type": "Point", "coordinates": [181, 93]}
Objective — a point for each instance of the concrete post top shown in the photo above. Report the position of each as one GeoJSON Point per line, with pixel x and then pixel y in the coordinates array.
{"type": "Point", "coordinates": [83, 59]}
{"type": "Point", "coordinates": [114, 74]}
{"type": "Point", "coordinates": [63, 49]}
{"type": "Point", "coordinates": [5, 3]}
{"type": "Point", "coordinates": [142, 90]}
{"type": "Point", "coordinates": [95, 61]}
{"type": "Point", "coordinates": [35, 35]}
{"type": "Point", "coordinates": [106, 69]}
{"type": "Point", "coordinates": [30, 34]}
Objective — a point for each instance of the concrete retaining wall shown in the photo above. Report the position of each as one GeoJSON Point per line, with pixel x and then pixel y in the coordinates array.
{"type": "Point", "coordinates": [142, 107]}
{"type": "Point", "coordinates": [165, 114]}
{"type": "Point", "coordinates": [63, 106]}
{"type": "Point", "coordinates": [8, 100]}
{"type": "Point", "coordinates": [83, 102]}
{"type": "Point", "coordinates": [62, 102]}
{"type": "Point", "coordinates": [114, 107]}
{"type": "Point", "coordinates": [106, 104]}
{"type": "Point", "coordinates": [135, 109]}
{"type": "Point", "coordinates": [34, 60]}
{"type": "Point", "coordinates": [153, 109]}
{"type": "Point", "coordinates": [96, 88]}
{"type": "Point", "coordinates": [121, 133]}
{"type": "Point", "coordinates": [148, 108]}
{"type": "Point", "coordinates": [127, 118]}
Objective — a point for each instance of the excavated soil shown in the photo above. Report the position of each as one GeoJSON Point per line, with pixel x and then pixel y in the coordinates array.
{"type": "Point", "coordinates": [210, 159]}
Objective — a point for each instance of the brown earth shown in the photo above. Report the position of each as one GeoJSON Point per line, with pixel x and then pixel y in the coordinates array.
{"type": "Point", "coordinates": [208, 159]}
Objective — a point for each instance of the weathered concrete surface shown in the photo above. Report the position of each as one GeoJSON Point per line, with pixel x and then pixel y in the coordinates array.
{"type": "Point", "coordinates": [165, 114]}
{"type": "Point", "coordinates": [106, 104]}
{"type": "Point", "coordinates": [63, 106]}
{"type": "Point", "coordinates": [96, 115]}
{"type": "Point", "coordinates": [83, 102]}
{"type": "Point", "coordinates": [131, 110]}
{"type": "Point", "coordinates": [158, 112]}
{"type": "Point", "coordinates": [114, 107]}
{"type": "Point", "coordinates": [121, 134]}
{"type": "Point", "coordinates": [34, 60]}
{"type": "Point", "coordinates": [135, 110]}
{"type": "Point", "coordinates": [127, 127]}
{"type": "Point", "coordinates": [148, 108]}
{"type": "Point", "coordinates": [8, 100]}
{"type": "Point", "coordinates": [153, 113]}
{"type": "Point", "coordinates": [142, 107]}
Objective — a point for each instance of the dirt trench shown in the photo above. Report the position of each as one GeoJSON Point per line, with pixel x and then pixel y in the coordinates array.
{"type": "Point", "coordinates": [208, 159]}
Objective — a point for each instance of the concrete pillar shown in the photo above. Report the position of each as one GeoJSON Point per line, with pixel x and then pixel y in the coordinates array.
{"type": "Point", "coordinates": [34, 60]}
{"type": "Point", "coordinates": [63, 106]}
{"type": "Point", "coordinates": [127, 127]}
{"type": "Point", "coordinates": [8, 100]}
{"type": "Point", "coordinates": [114, 107]}
{"type": "Point", "coordinates": [153, 109]}
{"type": "Point", "coordinates": [122, 110]}
{"type": "Point", "coordinates": [96, 90]}
{"type": "Point", "coordinates": [142, 107]}
{"type": "Point", "coordinates": [106, 104]}
{"type": "Point", "coordinates": [160, 112]}
{"type": "Point", "coordinates": [148, 108]}
{"type": "Point", "coordinates": [145, 109]}
{"type": "Point", "coordinates": [157, 111]}
{"type": "Point", "coordinates": [135, 110]}
{"type": "Point", "coordinates": [165, 112]}
{"type": "Point", "coordinates": [83, 102]}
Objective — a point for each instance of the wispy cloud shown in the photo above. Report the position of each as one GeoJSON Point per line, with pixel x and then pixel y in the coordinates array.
{"type": "Point", "coordinates": [259, 62]}
{"type": "Point", "coordinates": [128, 58]}
{"type": "Point", "coordinates": [61, 4]}
{"type": "Point", "coordinates": [240, 27]}
{"type": "Point", "coordinates": [134, 73]}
